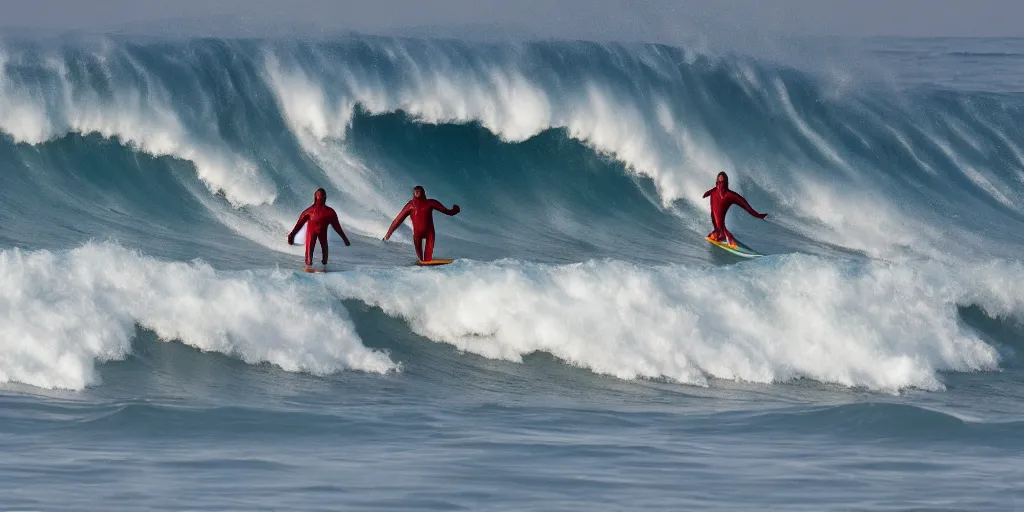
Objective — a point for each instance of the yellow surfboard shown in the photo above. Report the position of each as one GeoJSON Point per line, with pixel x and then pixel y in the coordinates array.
{"type": "Point", "coordinates": [739, 249]}
{"type": "Point", "coordinates": [433, 262]}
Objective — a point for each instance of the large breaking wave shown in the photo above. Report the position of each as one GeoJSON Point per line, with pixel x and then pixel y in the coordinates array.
{"type": "Point", "coordinates": [579, 168]}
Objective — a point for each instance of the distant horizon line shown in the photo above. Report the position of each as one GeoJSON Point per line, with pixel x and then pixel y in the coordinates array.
{"type": "Point", "coordinates": [241, 26]}
{"type": "Point", "coordinates": [302, 29]}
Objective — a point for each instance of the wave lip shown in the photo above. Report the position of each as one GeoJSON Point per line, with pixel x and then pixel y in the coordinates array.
{"type": "Point", "coordinates": [46, 94]}
{"type": "Point", "coordinates": [63, 312]}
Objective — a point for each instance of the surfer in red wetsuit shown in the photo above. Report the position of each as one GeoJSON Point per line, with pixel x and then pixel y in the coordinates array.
{"type": "Point", "coordinates": [721, 199]}
{"type": "Point", "coordinates": [421, 209]}
{"type": "Point", "coordinates": [319, 216]}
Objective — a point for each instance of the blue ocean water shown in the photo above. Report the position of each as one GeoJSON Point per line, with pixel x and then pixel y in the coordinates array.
{"type": "Point", "coordinates": [161, 349]}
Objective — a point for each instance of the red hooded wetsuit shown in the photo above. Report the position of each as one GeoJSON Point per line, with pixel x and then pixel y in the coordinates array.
{"type": "Point", "coordinates": [421, 209]}
{"type": "Point", "coordinates": [319, 216]}
{"type": "Point", "coordinates": [721, 199]}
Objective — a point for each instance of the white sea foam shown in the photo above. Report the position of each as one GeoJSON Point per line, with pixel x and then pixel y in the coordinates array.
{"type": "Point", "coordinates": [61, 313]}
{"type": "Point", "coordinates": [879, 326]}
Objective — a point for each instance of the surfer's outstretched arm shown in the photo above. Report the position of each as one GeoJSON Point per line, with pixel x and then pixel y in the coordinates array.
{"type": "Point", "coordinates": [337, 227]}
{"type": "Point", "coordinates": [738, 199]}
{"type": "Point", "coordinates": [298, 225]}
{"type": "Point", "coordinates": [708, 193]}
{"type": "Point", "coordinates": [440, 207]}
{"type": "Point", "coordinates": [399, 219]}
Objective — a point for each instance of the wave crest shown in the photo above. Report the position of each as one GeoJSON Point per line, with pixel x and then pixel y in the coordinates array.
{"type": "Point", "coordinates": [61, 312]}
{"type": "Point", "coordinates": [879, 326]}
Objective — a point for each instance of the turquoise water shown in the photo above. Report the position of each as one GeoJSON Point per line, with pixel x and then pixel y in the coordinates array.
{"type": "Point", "coordinates": [159, 348]}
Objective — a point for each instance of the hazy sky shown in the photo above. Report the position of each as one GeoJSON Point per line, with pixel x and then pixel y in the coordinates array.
{"type": "Point", "coordinates": [651, 20]}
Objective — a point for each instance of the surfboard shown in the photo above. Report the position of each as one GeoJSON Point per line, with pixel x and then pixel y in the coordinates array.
{"type": "Point", "coordinates": [740, 249]}
{"type": "Point", "coordinates": [312, 270]}
{"type": "Point", "coordinates": [434, 262]}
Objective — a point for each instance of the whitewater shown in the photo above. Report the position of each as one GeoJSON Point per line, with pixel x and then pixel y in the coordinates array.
{"type": "Point", "coordinates": [587, 349]}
